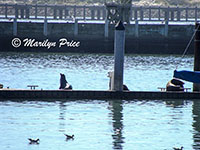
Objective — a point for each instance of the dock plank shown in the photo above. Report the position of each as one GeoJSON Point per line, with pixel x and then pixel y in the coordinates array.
{"type": "Point", "coordinates": [9, 94]}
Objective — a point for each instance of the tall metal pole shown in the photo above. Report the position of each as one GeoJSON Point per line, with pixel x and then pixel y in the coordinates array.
{"type": "Point", "coordinates": [196, 87]}
{"type": "Point", "coordinates": [119, 46]}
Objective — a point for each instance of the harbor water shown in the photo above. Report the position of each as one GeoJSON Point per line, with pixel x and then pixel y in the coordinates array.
{"type": "Point", "coordinates": [96, 124]}
{"type": "Point", "coordinates": [88, 72]}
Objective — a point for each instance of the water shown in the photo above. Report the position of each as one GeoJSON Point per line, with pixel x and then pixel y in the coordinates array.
{"type": "Point", "coordinates": [128, 125]}
{"type": "Point", "coordinates": [96, 124]}
{"type": "Point", "coordinates": [88, 72]}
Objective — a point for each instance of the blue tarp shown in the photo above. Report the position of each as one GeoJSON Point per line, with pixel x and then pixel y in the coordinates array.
{"type": "Point", "coordinates": [191, 76]}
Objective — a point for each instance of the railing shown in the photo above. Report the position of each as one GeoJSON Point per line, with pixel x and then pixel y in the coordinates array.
{"type": "Point", "coordinates": [62, 12]}
{"type": "Point", "coordinates": [165, 13]}
{"type": "Point", "coordinates": [67, 12]}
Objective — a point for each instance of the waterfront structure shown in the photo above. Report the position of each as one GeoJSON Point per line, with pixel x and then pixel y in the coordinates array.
{"type": "Point", "coordinates": [164, 30]}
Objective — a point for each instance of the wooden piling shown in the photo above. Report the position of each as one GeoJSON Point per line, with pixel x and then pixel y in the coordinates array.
{"type": "Point", "coordinates": [106, 30]}
{"type": "Point", "coordinates": [166, 28]}
{"type": "Point", "coordinates": [6, 11]}
{"type": "Point", "coordinates": [27, 13]}
{"type": "Point", "coordinates": [45, 12]}
{"type": "Point", "coordinates": [16, 11]}
{"type": "Point", "coordinates": [36, 11]}
{"type": "Point", "coordinates": [196, 87]}
{"type": "Point", "coordinates": [60, 13]}
{"type": "Point", "coordinates": [15, 27]}
{"type": "Point", "coordinates": [76, 27]}
{"type": "Point", "coordinates": [135, 15]}
{"type": "Point", "coordinates": [136, 28]}
{"type": "Point", "coordinates": [45, 32]}
{"type": "Point", "coordinates": [55, 13]}
{"type": "Point", "coordinates": [141, 14]}
{"type": "Point", "coordinates": [92, 14]}
{"type": "Point", "coordinates": [22, 13]}
{"type": "Point", "coordinates": [178, 14]}
{"type": "Point", "coordinates": [196, 14]}
{"type": "Point", "coordinates": [119, 56]}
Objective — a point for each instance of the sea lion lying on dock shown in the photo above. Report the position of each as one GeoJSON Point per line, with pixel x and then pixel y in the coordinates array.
{"type": "Point", "coordinates": [175, 85]}
{"type": "Point", "coordinates": [63, 83]}
{"type": "Point", "coordinates": [111, 76]}
{"type": "Point", "coordinates": [125, 88]}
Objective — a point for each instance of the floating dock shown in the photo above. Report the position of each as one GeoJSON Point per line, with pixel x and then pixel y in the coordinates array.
{"type": "Point", "coordinates": [9, 94]}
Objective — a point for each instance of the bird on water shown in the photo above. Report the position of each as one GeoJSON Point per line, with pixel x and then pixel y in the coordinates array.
{"type": "Point", "coordinates": [33, 141]}
{"type": "Point", "coordinates": [69, 136]}
{"type": "Point", "coordinates": [178, 148]}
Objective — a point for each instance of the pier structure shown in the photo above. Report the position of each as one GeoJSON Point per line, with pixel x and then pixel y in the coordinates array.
{"type": "Point", "coordinates": [98, 12]}
{"type": "Point", "coordinates": [162, 29]}
{"type": "Point", "coordinates": [13, 94]}
{"type": "Point", "coordinates": [119, 11]}
{"type": "Point", "coordinates": [97, 37]}
{"type": "Point", "coordinates": [110, 13]}
{"type": "Point", "coordinates": [119, 46]}
{"type": "Point", "coordinates": [196, 86]}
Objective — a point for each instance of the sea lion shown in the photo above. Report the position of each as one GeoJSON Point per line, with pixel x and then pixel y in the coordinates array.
{"type": "Point", "coordinates": [175, 85]}
{"type": "Point", "coordinates": [63, 83]}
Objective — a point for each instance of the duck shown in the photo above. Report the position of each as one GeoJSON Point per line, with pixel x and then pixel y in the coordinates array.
{"type": "Point", "coordinates": [178, 148]}
{"type": "Point", "coordinates": [34, 141]}
{"type": "Point", "coordinates": [69, 136]}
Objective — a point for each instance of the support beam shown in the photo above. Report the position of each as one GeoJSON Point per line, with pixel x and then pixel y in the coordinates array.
{"type": "Point", "coordinates": [22, 13]}
{"type": "Point", "coordinates": [141, 14]}
{"type": "Point", "coordinates": [196, 87]}
{"type": "Point", "coordinates": [15, 27]}
{"type": "Point", "coordinates": [45, 12]}
{"type": "Point", "coordinates": [60, 13]}
{"type": "Point", "coordinates": [36, 11]}
{"type": "Point", "coordinates": [106, 32]}
{"type": "Point", "coordinates": [178, 14]}
{"type": "Point", "coordinates": [166, 28]}
{"type": "Point", "coordinates": [55, 12]}
{"type": "Point", "coordinates": [98, 14]}
{"type": "Point", "coordinates": [93, 14]}
{"type": "Point", "coordinates": [16, 11]}
{"type": "Point", "coordinates": [6, 10]}
{"type": "Point", "coordinates": [196, 14]}
{"type": "Point", "coordinates": [27, 13]}
{"type": "Point", "coordinates": [45, 32]}
{"type": "Point", "coordinates": [76, 27]}
{"type": "Point", "coordinates": [119, 46]}
{"type": "Point", "coordinates": [136, 28]}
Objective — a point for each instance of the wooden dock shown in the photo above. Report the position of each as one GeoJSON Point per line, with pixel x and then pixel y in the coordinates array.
{"type": "Point", "coordinates": [13, 94]}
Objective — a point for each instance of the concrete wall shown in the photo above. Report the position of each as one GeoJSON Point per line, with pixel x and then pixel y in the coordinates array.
{"type": "Point", "coordinates": [146, 39]}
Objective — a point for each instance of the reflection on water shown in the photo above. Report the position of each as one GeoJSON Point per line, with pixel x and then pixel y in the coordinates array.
{"type": "Point", "coordinates": [117, 117]}
{"type": "Point", "coordinates": [142, 72]}
{"type": "Point", "coordinates": [109, 125]}
{"type": "Point", "coordinates": [62, 108]}
{"type": "Point", "coordinates": [196, 124]}
{"type": "Point", "coordinates": [175, 104]}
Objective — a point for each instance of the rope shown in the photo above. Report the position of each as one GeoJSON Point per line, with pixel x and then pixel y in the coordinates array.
{"type": "Point", "coordinates": [188, 45]}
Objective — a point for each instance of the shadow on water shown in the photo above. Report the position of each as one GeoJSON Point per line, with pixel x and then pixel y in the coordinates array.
{"type": "Point", "coordinates": [175, 103]}
{"type": "Point", "coordinates": [116, 108]}
{"type": "Point", "coordinates": [196, 124]}
{"type": "Point", "coordinates": [62, 109]}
